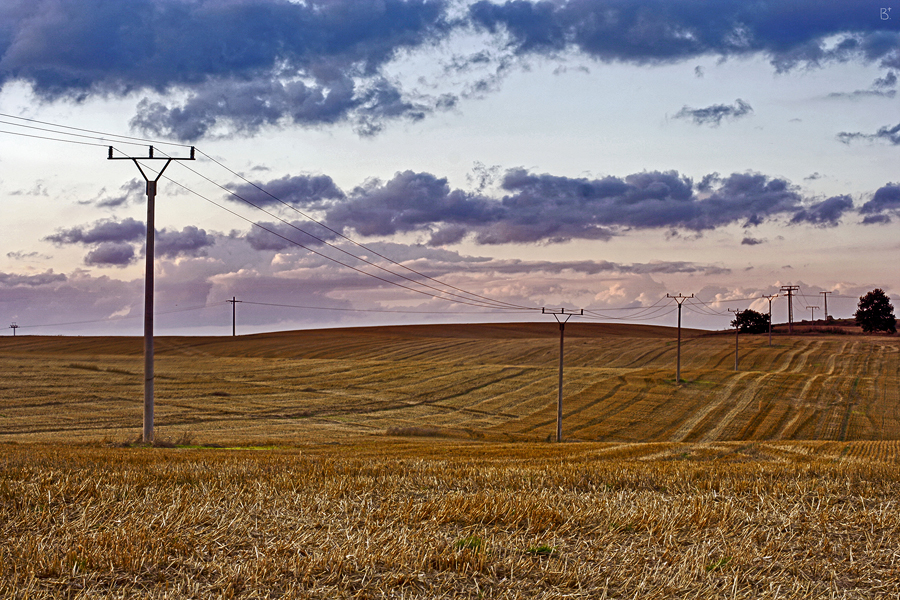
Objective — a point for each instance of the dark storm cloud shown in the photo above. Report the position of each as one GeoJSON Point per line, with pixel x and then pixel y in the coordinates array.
{"type": "Point", "coordinates": [889, 134]}
{"type": "Point", "coordinates": [790, 33]}
{"type": "Point", "coordinates": [300, 190]}
{"type": "Point", "coordinates": [116, 254]}
{"type": "Point", "coordinates": [127, 230]}
{"type": "Point", "coordinates": [410, 202]}
{"type": "Point", "coordinates": [225, 68]}
{"type": "Point", "coordinates": [713, 115]}
{"type": "Point", "coordinates": [888, 81]}
{"type": "Point", "coordinates": [244, 63]}
{"type": "Point", "coordinates": [860, 94]}
{"type": "Point", "coordinates": [825, 213]}
{"type": "Point", "coordinates": [543, 208]}
{"type": "Point", "coordinates": [133, 191]}
{"type": "Point", "coordinates": [881, 88]}
{"type": "Point", "coordinates": [886, 200]}
{"type": "Point", "coordinates": [190, 241]}
{"type": "Point", "coordinates": [749, 241]}
{"type": "Point", "coordinates": [8, 280]}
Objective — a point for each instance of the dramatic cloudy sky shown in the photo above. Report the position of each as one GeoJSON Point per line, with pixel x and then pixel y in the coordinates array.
{"type": "Point", "coordinates": [461, 159]}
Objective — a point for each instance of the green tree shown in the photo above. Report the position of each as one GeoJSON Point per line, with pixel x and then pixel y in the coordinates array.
{"type": "Point", "coordinates": [750, 321]}
{"type": "Point", "coordinates": [876, 313]}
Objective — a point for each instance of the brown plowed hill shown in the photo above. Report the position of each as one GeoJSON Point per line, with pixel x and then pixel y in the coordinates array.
{"type": "Point", "coordinates": [494, 381]}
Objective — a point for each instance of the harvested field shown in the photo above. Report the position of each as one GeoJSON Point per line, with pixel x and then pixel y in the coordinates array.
{"type": "Point", "coordinates": [451, 519]}
{"type": "Point", "coordinates": [410, 463]}
{"type": "Point", "coordinates": [493, 382]}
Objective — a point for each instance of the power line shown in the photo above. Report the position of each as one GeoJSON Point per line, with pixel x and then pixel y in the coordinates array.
{"type": "Point", "coordinates": [475, 297]}
{"type": "Point", "coordinates": [342, 235]}
{"type": "Point", "coordinates": [44, 137]}
{"type": "Point", "coordinates": [143, 141]}
{"type": "Point", "coordinates": [336, 261]}
{"type": "Point", "coordinates": [374, 310]}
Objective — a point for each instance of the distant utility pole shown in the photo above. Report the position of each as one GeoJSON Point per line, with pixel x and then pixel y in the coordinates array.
{"type": "Point", "coordinates": [770, 298]}
{"type": "Point", "coordinates": [789, 290]}
{"type": "Point", "coordinates": [148, 280]}
{"type": "Point", "coordinates": [234, 303]}
{"type": "Point", "coordinates": [737, 335]}
{"type": "Point", "coordinates": [826, 303]}
{"type": "Point", "coordinates": [14, 327]}
{"type": "Point", "coordinates": [812, 313]}
{"type": "Point", "coordinates": [680, 300]}
{"type": "Point", "coordinates": [562, 317]}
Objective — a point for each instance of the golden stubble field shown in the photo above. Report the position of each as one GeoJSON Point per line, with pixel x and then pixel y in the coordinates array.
{"type": "Point", "coordinates": [450, 519]}
{"type": "Point", "coordinates": [412, 463]}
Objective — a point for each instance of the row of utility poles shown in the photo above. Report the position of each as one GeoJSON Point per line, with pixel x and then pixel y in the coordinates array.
{"type": "Point", "coordinates": [562, 315]}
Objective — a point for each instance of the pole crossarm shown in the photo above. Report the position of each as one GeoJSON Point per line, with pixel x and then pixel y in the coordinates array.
{"type": "Point", "coordinates": [148, 278]}
{"type": "Point", "coordinates": [812, 313]}
{"type": "Point", "coordinates": [234, 302]}
{"type": "Point", "coordinates": [562, 316]}
{"type": "Point", "coordinates": [770, 297]}
{"type": "Point", "coordinates": [680, 299]}
{"type": "Point", "coordinates": [825, 295]}
{"type": "Point", "coordinates": [737, 335]}
{"type": "Point", "coordinates": [789, 291]}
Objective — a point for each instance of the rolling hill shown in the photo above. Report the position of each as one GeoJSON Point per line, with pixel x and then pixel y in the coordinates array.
{"type": "Point", "coordinates": [494, 382]}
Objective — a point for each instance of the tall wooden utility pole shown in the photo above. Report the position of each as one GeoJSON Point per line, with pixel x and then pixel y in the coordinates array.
{"type": "Point", "coordinates": [826, 303]}
{"type": "Point", "coordinates": [680, 300]}
{"type": "Point", "coordinates": [562, 317]}
{"type": "Point", "coordinates": [737, 334]}
{"type": "Point", "coordinates": [812, 313]}
{"type": "Point", "coordinates": [148, 280]}
{"type": "Point", "coordinates": [14, 326]}
{"type": "Point", "coordinates": [789, 290]}
{"type": "Point", "coordinates": [234, 302]}
{"type": "Point", "coordinates": [770, 298]}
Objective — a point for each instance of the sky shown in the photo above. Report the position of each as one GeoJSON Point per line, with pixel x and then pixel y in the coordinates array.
{"type": "Point", "coordinates": [413, 161]}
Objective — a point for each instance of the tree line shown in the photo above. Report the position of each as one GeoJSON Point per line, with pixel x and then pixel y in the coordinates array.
{"type": "Point", "coordinates": [874, 313]}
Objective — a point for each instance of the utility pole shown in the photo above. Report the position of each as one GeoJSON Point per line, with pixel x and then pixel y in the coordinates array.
{"type": "Point", "coordinates": [148, 280]}
{"type": "Point", "coordinates": [789, 290]}
{"type": "Point", "coordinates": [826, 303]}
{"type": "Point", "coordinates": [562, 317]}
{"type": "Point", "coordinates": [234, 303]}
{"type": "Point", "coordinates": [812, 313]}
{"type": "Point", "coordinates": [14, 327]}
{"type": "Point", "coordinates": [737, 334]}
{"type": "Point", "coordinates": [770, 298]}
{"type": "Point", "coordinates": [680, 300]}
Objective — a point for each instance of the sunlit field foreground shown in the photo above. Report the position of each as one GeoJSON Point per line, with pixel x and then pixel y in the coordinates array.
{"type": "Point", "coordinates": [451, 519]}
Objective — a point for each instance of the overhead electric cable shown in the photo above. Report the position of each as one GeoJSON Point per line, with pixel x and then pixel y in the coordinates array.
{"type": "Point", "coordinates": [340, 234]}
{"type": "Point", "coordinates": [44, 137]}
{"type": "Point", "coordinates": [482, 300]}
{"type": "Point", "coordinates": [417, 312]}
{"type": "Point", "coordinates": [101, 133]}
{"type": "Point", "coordinates": [119, 318]}
{"type": "Point", "coordinates": [334, 260]}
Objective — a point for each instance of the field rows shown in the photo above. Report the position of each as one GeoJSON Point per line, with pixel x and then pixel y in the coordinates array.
{"type": "Point", "coordinates": [285, 387]}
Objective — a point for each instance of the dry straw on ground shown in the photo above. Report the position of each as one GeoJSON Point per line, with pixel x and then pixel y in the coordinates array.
{"type": "Point", "coordinates": [440, 519]}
